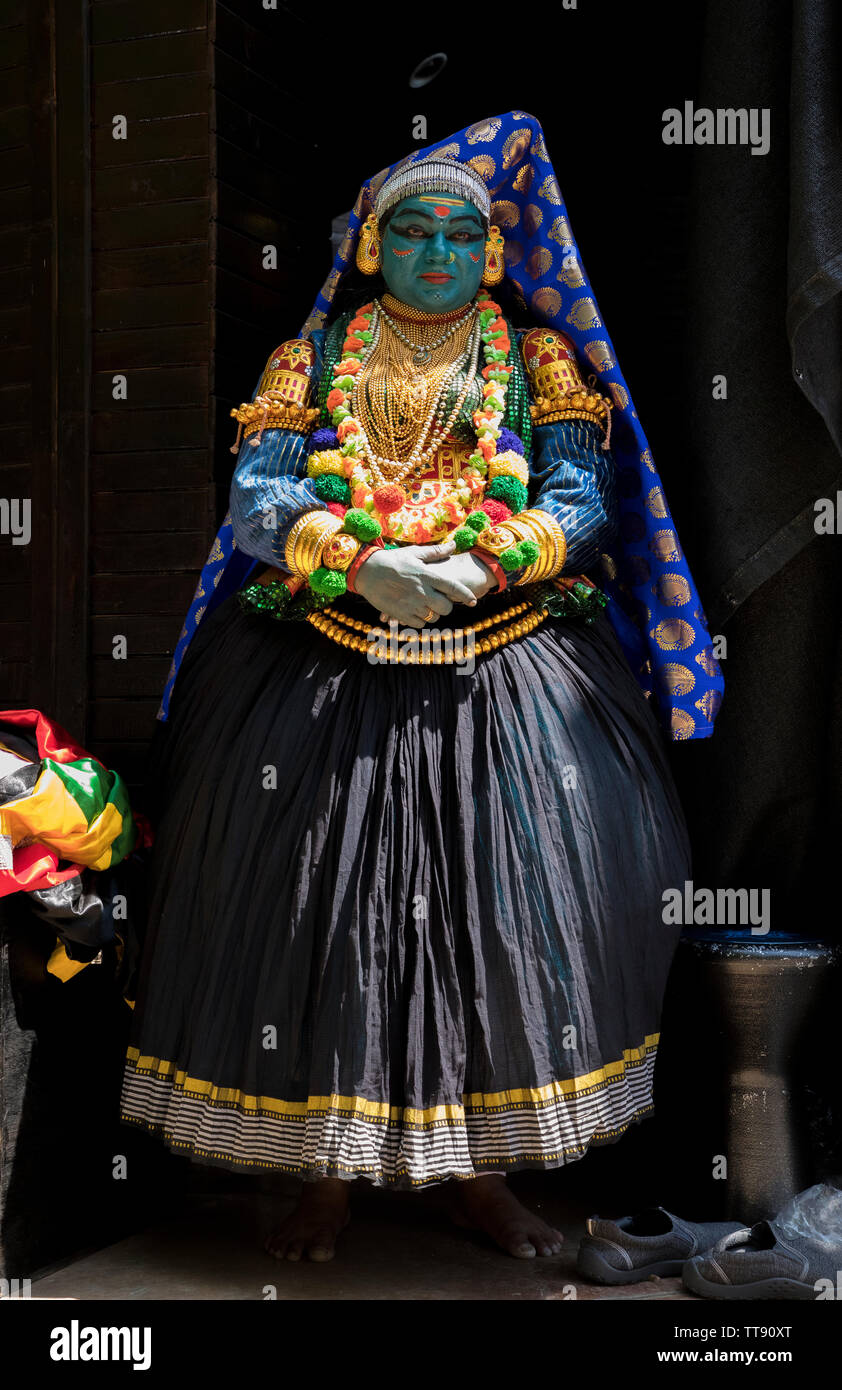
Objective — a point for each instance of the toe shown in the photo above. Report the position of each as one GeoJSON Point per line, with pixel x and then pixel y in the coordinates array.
{"type": "Point", "coordinates": [321, 1253]}
{"type": "Point", "coordinates": [517, 1242]}
{"type": "Point", "coordinates": [294, 1250]}
{"type": "Point", "coordinates": [321, 1246]}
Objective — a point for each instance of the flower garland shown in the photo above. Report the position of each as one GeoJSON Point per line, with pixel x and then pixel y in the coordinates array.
{"type": "Point", "coordinates": [493, 481]}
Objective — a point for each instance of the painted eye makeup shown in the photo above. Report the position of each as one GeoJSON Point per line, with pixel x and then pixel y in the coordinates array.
{"type": "Point", "coordinates": [412, 230]}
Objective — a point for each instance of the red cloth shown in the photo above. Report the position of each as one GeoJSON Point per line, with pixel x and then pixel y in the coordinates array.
{"type": "Point", "coordinates": [496, 568]}
{"type": "Point", "coordinates": [360, 557]}
{"type": "Point", "coordinates": [53, 741]}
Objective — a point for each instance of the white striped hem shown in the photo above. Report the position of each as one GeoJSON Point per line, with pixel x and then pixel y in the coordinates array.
{"type": "Point", "coordinates": [329, 1142]}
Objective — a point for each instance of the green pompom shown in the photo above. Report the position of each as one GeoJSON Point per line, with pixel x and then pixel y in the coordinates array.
{"type": "Point", "coordinates": [511, 559]}
{"type": "Point", "coordinates": [328, 583]}
{"type": "Point", "coordinates": [330, 488]}
{"type": "Point", "coordinates": [510, 490]}
{"type": "Point", "coordinates": [477, 521]}
{"type": "Point", "coordinates": [530, 550]}
{"type": "Point", "coordinates": [465, 538]}
{"type": "Point", "coordinates": [358, 523]}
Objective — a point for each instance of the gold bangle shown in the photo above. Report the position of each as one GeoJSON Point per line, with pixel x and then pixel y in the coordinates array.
{"type": "Point", "coordinates": [305, 540]}
{"type": "Point", "coordinates": [308, 551]}
{"type": "Point", "coordinates": [547, 539]}
{"type": "Point", "coordinates": [339, 551]}
{"type": "Point", "coordinates": [523, 530]}
{"type": "Point", "coordinates": [551, 558]}
{"type": "Point", "coordinates": [498, 538]}
{"type": "Point", "coordinates": [543, 528]}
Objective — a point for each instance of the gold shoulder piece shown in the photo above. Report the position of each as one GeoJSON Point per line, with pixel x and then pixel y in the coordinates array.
{"type": "Point", "coordinates": [558, 389]}
{"type": "Point", "coordinates": [288, 372]}
{"type": "Point", "coordinates": [282, 400]}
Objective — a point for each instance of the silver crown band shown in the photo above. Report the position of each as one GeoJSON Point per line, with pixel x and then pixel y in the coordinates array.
{"type": "Point", "coordinates": [434, 175]}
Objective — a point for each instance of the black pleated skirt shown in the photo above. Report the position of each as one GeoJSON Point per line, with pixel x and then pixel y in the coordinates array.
{"type": "Point", "coordinates": [405, 922]}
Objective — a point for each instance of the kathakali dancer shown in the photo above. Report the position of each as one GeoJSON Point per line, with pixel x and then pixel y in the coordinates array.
{"type": "Point", "coordinates": [416, 818]}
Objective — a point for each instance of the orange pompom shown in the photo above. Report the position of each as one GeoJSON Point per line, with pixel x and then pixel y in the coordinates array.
{"type": "Point", "coordinates": [334, 399]}
{"type": "Point", "coordinates": [389, 498]}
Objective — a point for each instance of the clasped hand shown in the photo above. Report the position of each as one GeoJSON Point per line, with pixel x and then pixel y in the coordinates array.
{"type": "Point", "coordinates": [408, 583]}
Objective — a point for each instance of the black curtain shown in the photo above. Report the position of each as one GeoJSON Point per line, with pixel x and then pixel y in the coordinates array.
{"type": "Point", "coordinates": [765, 311]}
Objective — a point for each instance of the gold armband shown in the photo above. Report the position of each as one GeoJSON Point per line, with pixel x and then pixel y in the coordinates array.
{"type": "Point", "coordinates": [536, 525]}
{"type": "Point", "coordinates": [556, 384]}
{"type": "Point", "coordinates": [283, 394]}
{"type": "Point", "coordinates": [268, 413]}
{"type": "Point", "coordinates": [496, 539]}
{"type": "Point", "coordinates": [339, 551]}
{"type": "Point", "coordinates": [305, 542]}
{"type": "Point", "coordinates": [532, 525]}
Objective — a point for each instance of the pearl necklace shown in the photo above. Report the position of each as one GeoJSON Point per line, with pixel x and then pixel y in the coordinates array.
{"type": "Point", "coordinates": [422, 352]}
{"type": "Point", "coordinates": [382, 468]}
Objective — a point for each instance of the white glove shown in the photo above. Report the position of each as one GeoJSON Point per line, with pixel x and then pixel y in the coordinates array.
{"type": "Point", "coordinates": [414, 583]}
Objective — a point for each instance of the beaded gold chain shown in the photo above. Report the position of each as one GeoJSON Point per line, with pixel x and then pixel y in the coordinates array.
{"type": "Point", "coordinates": [397, 400]}
{"type": "Point", "coordinates": [356, 636]}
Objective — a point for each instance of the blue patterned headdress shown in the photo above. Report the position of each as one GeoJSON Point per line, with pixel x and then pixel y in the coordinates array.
{"type": "Point", "coordinates": [655, 608]}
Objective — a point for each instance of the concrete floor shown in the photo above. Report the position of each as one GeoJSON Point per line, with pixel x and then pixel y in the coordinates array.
{"type": "Point", "coordinates": [396, 1247]}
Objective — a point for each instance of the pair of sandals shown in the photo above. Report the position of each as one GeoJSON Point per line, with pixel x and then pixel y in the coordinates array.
{"type": "Point", "coordinates": [716, 1259]}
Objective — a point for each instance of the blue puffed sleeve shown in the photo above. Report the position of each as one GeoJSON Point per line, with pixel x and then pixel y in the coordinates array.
{"type": "Point", "coordinates": [571, 476]}
{"type": "Point", "coordinates": [270, 488]}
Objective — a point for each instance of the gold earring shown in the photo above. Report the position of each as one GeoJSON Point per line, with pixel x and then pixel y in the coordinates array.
{"type": "Point", "coordinates": [494, 267]}
{"type": "Point", "coordinates": [369, 248]}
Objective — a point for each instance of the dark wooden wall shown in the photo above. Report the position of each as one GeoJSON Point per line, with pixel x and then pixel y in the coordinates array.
{"type": "Point", "coordinates": [183, 306]}
{"type": "Point", "coordinates": [17, 80]}
{"type": "Point", "coordinates": [143, 258]}
{"type": "Point", "coordinates": [151, 496]}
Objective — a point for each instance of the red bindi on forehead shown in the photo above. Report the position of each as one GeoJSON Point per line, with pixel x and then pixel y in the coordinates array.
{"type": "Point", "coordinates": [442, 212]}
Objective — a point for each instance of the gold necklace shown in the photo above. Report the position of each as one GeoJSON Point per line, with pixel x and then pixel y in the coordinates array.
{"type": "Point", "coordinates": [422, 352]}
{"type": "Point", "coordinates": [396, 399]}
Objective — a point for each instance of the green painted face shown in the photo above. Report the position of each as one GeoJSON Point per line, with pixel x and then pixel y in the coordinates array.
{"type": "Point", "coordinates": [434, 252]}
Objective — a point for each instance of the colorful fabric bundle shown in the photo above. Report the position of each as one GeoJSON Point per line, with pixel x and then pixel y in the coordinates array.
{"type": "Point", "coordinates": [60, 796]}
{"type": "Point", "coordinates": [64, 817]}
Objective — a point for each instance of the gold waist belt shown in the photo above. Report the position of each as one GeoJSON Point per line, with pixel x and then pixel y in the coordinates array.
{"type": "Point", "coordinates": [436, 646]}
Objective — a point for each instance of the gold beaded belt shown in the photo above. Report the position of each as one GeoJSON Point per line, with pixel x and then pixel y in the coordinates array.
{"type": "Point", "coordinates": [432, 646]}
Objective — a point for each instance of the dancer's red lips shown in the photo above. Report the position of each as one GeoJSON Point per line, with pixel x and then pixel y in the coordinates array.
{"type": "Point", "coordinates": [436, 277]}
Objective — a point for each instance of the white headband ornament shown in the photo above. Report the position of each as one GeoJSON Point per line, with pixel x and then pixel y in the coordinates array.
{"type": "Point", "coordinates": [434, 175]}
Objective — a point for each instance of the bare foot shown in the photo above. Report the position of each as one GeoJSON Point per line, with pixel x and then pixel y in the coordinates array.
{"type": "Point", "coordinates": [486, 1204]}
{"type": "Point", "coordinates": [321, 1213]}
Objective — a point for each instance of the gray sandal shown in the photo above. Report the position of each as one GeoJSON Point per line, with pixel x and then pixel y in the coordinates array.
{"type": "Point", "coordinates": [654, 1241]}
{"type": "Point", "coordinates": [757, 1263]}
